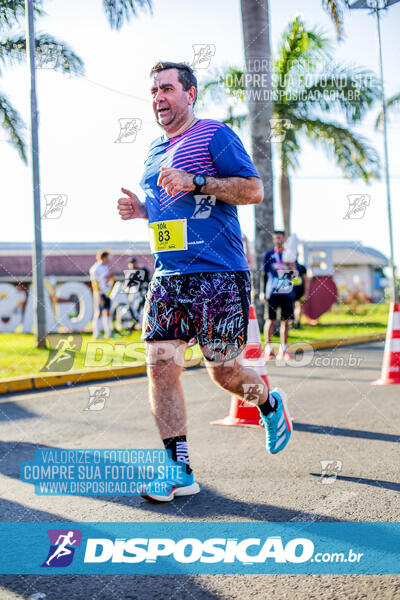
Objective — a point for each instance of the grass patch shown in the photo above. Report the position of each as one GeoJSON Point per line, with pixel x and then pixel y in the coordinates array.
{"type": "Point", "coordinates": [344, 322]}
{"type": "Point", "coordinates": [19, 355]}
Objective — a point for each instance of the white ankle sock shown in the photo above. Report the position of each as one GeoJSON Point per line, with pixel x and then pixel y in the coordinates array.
{"type": "Point", "coordinates": [106, 325]}
{"type": "Point", "coordinates": [96, 326]}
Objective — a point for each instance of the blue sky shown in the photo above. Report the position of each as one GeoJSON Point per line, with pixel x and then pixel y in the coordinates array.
{"type": "Point", "coordinates": [79, 120]}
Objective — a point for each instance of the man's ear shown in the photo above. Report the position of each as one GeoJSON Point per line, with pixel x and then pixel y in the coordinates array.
{"type": "Point", "coordinates": [192, 95]}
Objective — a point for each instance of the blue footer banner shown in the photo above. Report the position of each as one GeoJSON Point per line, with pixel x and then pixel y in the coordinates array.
{"type": "Point", "coordinates": [192, 548]}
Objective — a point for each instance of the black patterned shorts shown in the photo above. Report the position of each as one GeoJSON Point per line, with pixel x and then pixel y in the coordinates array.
{"type": "Point", "coordinates": [213, 307]}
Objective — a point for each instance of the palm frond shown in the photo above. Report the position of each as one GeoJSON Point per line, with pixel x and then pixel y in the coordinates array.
{"type": "Point", "coordinates": [213, 87]}
{"type": "Point", "coordinates": [392, 104]}
{"type": "Point", "coordinates": [334, 10]}
{"type": "Point", "coordinates": [290, 149]}
{"type": "Point", "coordinates": [224, 83]}
{"type": "Point", "coordinates": [120, 11]}
{"type": "Point", "coordinates": [300, 50]}
{"type": "Point", "coordinates": [350, 90]}
{"type": "Point", "coordinates": [12, 11]}
{"type": "Point", "coordinates": [351, 152]}
{"type": "Point", "coordinates": [13, 125]}
{"type": "Point", "coordinates": [235, 121]}
{"type": "Point", "coordinates": [13, 50]}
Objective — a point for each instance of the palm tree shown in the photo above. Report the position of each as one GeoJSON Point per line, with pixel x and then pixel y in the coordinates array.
{"type": "Point", "coordinates": [13, 50]}
{"type": "Point", "coordinates": [255, 24]}
{"type": "Point", "coordinates": [334, 8]}
{"type": "Point", "coordinates": [120, 11]}
{"type": "Point", "coordinates": [255, 20]}
{"type": "Point", "coordinates": [393, 105]}
{"type": "Point", "coordinates": [303, 94]}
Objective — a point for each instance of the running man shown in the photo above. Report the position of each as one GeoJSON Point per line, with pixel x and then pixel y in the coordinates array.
{"type": "Point", "coordinates": [101, 278]}
{"type": "Point", "coordinates": [201, 284]}
{"type": "Point", "coordinates": [277, 292]}
{"type": "Point", "coordinates": [62, 549]}
{"type": "Point", "coordinates": [64, 347]}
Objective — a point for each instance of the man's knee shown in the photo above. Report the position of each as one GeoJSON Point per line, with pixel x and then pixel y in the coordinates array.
{"type": "Point", "coordinates": [165, 359]}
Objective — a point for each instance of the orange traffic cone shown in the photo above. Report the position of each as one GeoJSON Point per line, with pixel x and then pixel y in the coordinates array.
{"type": "Point", "coordinates": [242, 413]}
{"type": "Point", "coordinates": [391, 358]}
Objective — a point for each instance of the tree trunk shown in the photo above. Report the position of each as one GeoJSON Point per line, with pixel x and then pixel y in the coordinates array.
{"type": "Point", "coordinates": [255, 19]}
{"type": "Point", "coordinates": [285, 200]}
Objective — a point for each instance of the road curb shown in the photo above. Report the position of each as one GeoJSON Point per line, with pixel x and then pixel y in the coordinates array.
{"type": "Point", "coordinates": [375, 337]}
{"type": "Point", "coordinates": [53, 380]}
{"type": "Point", "coordinates": [50, 381]}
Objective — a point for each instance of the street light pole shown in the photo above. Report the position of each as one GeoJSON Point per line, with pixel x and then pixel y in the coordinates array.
{"type": "Point", "coordinates": [37, 257]}
{"type": "Point", "coordinates": [376, 6]}
{"type": "Point", "coordinates": [395, 291]}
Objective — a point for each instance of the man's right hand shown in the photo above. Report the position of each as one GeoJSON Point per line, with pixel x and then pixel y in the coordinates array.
{"type": "Point", "coordinates": [262, 297]}
{"type": "Point", "coordinates": [130, 207]}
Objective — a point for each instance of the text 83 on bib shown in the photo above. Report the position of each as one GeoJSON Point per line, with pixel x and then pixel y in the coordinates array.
{"type": "Point", "coordinates": [167, 236]}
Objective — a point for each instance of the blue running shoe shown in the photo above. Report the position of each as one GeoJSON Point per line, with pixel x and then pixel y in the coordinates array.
{"type": "Point", "coordinates": [174, 484]}
{"type": "Point", "coordinates": [278, 424]}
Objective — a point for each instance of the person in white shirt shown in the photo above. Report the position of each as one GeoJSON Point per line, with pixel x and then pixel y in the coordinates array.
{"type": "Point", "coordinates": [101, 278]}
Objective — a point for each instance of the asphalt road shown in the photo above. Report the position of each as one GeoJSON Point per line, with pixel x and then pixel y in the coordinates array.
{"type": "Point", "coordinates": [338, 415]}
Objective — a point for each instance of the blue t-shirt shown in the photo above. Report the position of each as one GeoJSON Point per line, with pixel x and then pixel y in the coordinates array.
{"type": "Point", "coordinates": [214, 239]}
{"type": "Point", "coordinates": [277, 275]}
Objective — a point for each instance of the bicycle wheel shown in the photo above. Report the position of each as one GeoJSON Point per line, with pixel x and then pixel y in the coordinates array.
{"type": "Point", "coordinates": [125, 320]}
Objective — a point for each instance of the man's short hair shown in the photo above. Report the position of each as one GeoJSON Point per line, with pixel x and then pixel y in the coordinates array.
{"type": "Point", "coordinates": [186, 74]}
{"type": "Point", "coordinates": [133, 259]}
{"type": "Point", "coordinates": [102, 254]}
{"type": "Point", "coordinates": [279, 231]}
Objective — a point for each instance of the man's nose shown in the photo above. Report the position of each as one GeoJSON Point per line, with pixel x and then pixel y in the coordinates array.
{"type": "Point", "coordinates": [158, 95]}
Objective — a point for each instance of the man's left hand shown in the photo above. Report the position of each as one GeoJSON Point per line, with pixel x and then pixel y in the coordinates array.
{"type": "Point", "coordinates": [175, 180]}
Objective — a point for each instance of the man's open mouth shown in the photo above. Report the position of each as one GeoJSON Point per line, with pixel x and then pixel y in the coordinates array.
{"type": "Point", "coordinates": [163, 111]}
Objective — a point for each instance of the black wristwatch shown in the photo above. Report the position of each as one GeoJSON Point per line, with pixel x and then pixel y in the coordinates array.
{"type": "Point", "coordinates": [199, 181]}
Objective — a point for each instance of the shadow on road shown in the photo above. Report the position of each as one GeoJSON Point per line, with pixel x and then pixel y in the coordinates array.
{"type": "Point", "coordinates": [97, 587]}
{"type": "Point", "coordinates": [207, 505]}
{"type": "Point", "coordinates": [210, 504]}
{"type": "Point", "coordinates": [12, 411]}
{"type": "Point", "coordinates": [388, 485]}
{"type": "Point", "coordinates": [109, 587]}
{"type": "Point", "coordinates": [357, 433]}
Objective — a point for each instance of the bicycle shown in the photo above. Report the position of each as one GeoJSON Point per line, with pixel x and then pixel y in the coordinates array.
{"type": "Point", "coordinates": [127, 316]}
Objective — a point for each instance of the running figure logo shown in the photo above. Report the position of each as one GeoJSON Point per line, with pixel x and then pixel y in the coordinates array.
{"type": "Point", "coordinates": [252, 392]}
{"type": "Point", "coordinates": [203, 54]}
{"type": "Point", "coordinates": [204, 205]}
{"type": "Point", "coordinates": [357, 206]}
{"type": "Point", "coordinates": [97, 397]}
{"type": "Point", "coordinates": [330, 470]}
{"type": "Point", "coordinates": [63, 543]}
{"type": "Point", "coordinates": [128, 130]}
{"type": "Point", "coordinates": [279, 128]}
{"type": "Point", "coordinates": [55, 204]}
{"type": "Point", "coordinates": [62, 352]}
{"type": "Point", "coordinates": [48, 57]}
{"type": "Point", "coordinates": [284, 285]}
{"type": "Point", "coordinates": [133, 279]}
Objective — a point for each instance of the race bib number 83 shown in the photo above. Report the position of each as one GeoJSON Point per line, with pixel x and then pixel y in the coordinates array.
{"type": "Point", "coordinates": [167, 236]}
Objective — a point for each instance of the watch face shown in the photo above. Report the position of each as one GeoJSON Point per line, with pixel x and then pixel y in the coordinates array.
{"type": "Point", "coordinates": [199, 180]}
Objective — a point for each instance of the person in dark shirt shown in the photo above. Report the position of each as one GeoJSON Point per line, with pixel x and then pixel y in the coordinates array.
{"type": "Point", "coordinates": [277, 292]}
{"type": "Point", "coordinates": [137, 285]}
{"type": "Point", "coordinates": [139, 275]}
{"type": "Point", "coordinates": [300, 286]}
